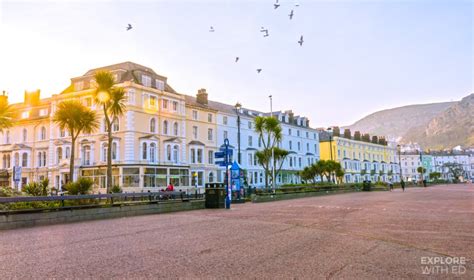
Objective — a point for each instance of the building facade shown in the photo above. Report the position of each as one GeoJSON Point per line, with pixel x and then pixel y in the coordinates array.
{"type": "Point", "coordinates": [361, 160]}
{"type": "Point", "coordinates": [164, 137]}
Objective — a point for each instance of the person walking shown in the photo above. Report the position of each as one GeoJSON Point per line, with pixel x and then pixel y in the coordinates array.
{"type": "Point", "coordinates": [402, 183]}
{"type": "Point", "coordinates": [391, 185]}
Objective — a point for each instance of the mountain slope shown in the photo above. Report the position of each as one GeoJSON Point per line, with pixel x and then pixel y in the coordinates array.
{"type": "Point", "coordinates": [452, 127]}
{"type": "Point", "coordinates": [396, 122]}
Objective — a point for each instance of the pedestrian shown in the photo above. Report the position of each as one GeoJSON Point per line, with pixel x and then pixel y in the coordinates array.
{"type": "Point", "coordinates": [424, 183]}
{"type": "Point", "coordinates": [402, 183]}
{"type": "Point", "coordinates": [391, 186]}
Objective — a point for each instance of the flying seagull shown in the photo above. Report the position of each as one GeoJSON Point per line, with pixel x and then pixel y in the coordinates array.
{"type": "Point", "coordinates": [211, 29]}
{"type": "Point", "coordinates": [129, 27]}
{"type": "Point", "coordinates": [276, 5]}
{"type": "Point", "coordinates": [301, 41]}
{"type": "Point", "coordinates": [266, 33]}
{"type": "Point", "coordinates": [297, 4]}
{"type": "Point", "coordinates": [259, 70]}
{"type": "Point", "coordinates": [236, 58]}
{"type": "Point", "coordinates": [291, 14]}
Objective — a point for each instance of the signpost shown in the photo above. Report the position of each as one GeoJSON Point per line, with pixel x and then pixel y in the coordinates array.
{"type": "Point", "coordinates": [225, 154]}
{"type": "Point", "coordinates": [16, 175]}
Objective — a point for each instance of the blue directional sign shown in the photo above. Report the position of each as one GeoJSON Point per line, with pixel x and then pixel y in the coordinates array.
{"type": "Point", "coordinates": [221, 163]}
{"type": "Point", "coordinates": [219, 155]}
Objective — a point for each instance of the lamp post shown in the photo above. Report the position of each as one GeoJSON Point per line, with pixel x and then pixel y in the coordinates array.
{"type": "Point", "coordinates": [238, 106]}
{"type": "Point", "coordinates": [400, 161]}
{"type": "Point", "coordinates": [273, 152]}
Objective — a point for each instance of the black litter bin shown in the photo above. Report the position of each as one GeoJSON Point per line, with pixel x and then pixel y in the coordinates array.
{"type": "Point", "coordinates": [215, 195]}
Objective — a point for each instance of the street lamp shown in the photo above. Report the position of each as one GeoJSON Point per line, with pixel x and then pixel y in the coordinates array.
{"type": "Point", "coordinates": [400, 161]}
{"type": "Point", "coordinates": [273, 152]}
{"type": "Point", "coordinates": [238, 106]}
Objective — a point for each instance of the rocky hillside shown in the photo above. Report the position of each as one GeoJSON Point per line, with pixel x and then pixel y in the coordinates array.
{"type": "Point", "coordinates": [452, 127]}
{"type": "Point", "coordinates": [395, 123]}
{"type": "Point", "coordinates": [434, 126]}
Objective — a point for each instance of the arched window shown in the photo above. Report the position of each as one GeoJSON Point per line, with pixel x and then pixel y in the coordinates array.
{"type": "Point", "coordinates": [104, 152]}
{"type": "Point", "coordinates": [86, 155]}
{"type": "Point", "coordinates": [175, 129]}
{"type": "Point", "coordinates": [153, 125]}
{"type": "Point", "coordinates": [168, 153]}
{"type": "Point", "coordinates": [44, 158]}
{"type": "Point", "coordinates": [59, 154]}
{"type": "Point", "coordinates": [114, 150]}
{"type": "Point", "coordinates": [24, 160]}
{"type": "Point", "coordinates": [152, 152]}
{"type": "Point", "coordinates": [211, 177]}
{"type": "Point", "coordinates": [5, 161]}
{"type": "Point", "coordinates": [43, 133]}
{"type": "Point", "coordinates": [144, 151]}
{"type": "Point", "coordinates": [165, 127]}
{"type": "Point", "coordinates": [68, 152]}
{"type": "Point", "coordinates": [25, 135]}
{"type": "Point", "coordinates": [40, 159]}
{"type": "Point", "coordinates": [175, 154]}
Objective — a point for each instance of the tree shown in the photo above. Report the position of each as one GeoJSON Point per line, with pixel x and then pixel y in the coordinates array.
{"type": "Point", "coordinates": [112, 101]}
{"type": "Point", "coordinates": [421, 170]}
{"type": "Point", "coordinates": [269, 134]}
{"type": "Point", "coordinates": [307, 174]}
{"type": "Point", "coordinates": [279, 156]}
{"type": "Point", "coordinates": [454, 169]}
{"type": "Point", "coordinates": [435, 176]}
{"type": "Point", "coordinates": [76, 118]}
{"type": "Point", "coordinates": [6, 114]}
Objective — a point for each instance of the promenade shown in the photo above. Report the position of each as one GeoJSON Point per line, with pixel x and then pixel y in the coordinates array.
{"type": "Point", "coordinates": [365, 235]}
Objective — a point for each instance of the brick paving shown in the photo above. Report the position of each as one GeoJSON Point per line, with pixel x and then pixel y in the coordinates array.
{"type": "Point", "coordinates": [377, 235]}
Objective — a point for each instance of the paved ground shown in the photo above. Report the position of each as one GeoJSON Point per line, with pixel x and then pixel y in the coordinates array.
{"type": "Point", "coordinates": [376, 235]}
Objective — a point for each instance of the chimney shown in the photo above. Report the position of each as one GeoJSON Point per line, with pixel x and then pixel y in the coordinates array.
{"type": "Point", "coordinates": [201, 96]}
{"type": "Point", "coordinates": [32, 98]}
{"type": "Point", "coordinates": [4, 98]}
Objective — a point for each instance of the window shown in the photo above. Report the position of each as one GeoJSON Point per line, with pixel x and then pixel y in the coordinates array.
{"type": "Point", "coordinates": [289, 131]}
{"type": "Point", "coordinates": [68, 152]}
{"type": "Point", "coordinates": [43, 133]}
{"type": "Point", "coordinates": [299, 146]}
{"type": "Point", "coordinates": [250, 141]}
{"type": "Point", "coordinates": [195, 115]}
{"type": "Point", "coordinates": [152, 101]}
{"type": "Point", "coordinates": [290, 145]}
{"type": "Point", "coordinates": [168, 153]}
{"type": "Point", "coordinates": [211, 177]}
{"type": "Point", "coordinates": [175, 129]}
{"type": "Point", "coordinates": [17, 159]}
{"type": "Point", "coordinates": [116, 125]}
{"type": "Point", "coordinates": [193, 155]}
{"type": "Point", "coordinates": [165, 104]}
{"type": "Point", "coordinates": [62, 133]}
{"type": "Point", "coordinates": [307, 134]}
{"type": "Point", "coordinates": [25, 135]}
{"type": "Point", "coordinates": [199, 156]}
{"type": "Point", "coordinates": [209, 117]}
{"type": "Point", "coordinates": [43, 112]}
{"type": "Point", "coordinates": [307, 147]}
{"type": "Point", "coordinates": [259, 142]}
{"type": "Point", "coordinates": [195, 132]}
{"type": "Point", "coordinates": [160, 84]}
{"type": "Point", "coordinates": [175, 106]}
{"type": "Point", "coordinates": [7, 137]}
{"type": "Point", "coordinates": [25, 115]}
{"type": "Point", "coordinates": [298, 133]}
{"type": "Point", "coordinates": [146, 81]}
{"type": "Point", "coordinates": [210, 157]}
{"type": "Point", "coordinates": [152, 152]}
{"type": "Point", "coordinates": [209, 134]}
{"type": "Point", "coordinates": [144, 151]}
{"type": "Point", "coordinates": [153, 125]}
{"type": "Point", "coordinates": [86, 157]}
{"type": "Point", "coordinates": [131, 96]}
{"type": "Point", "coordinates": [224, 120]}
{"type": "Point", "coordinates": [24, 160]}
{"type": "Point", "coordinates": [114, 151]}
{"type": "Point", "coordinates": [250, 125]}
{"type": "Point", "coordinates": [225, 134]}
{"type": "Point", "coordinates": [165, 127]}
{"type": "Point", "coordinates": [175, 154]}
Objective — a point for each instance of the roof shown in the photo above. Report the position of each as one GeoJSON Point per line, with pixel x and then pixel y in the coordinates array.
{"type": "Point", "coordinates": [194, 142]}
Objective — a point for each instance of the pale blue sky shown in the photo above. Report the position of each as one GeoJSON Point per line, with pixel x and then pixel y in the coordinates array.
{"type": "Point", "coordinates": [358, 56]}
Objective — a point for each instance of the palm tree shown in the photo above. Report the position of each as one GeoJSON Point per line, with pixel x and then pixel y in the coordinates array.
{"type": "Point", "coordinates": [112, 100]}
{"type": "Point", "coordinates": [5, 115]}
{"type": "Point", "coordinates": [76, 118]}
{"type": "Point", "coordinates": [270, 134]}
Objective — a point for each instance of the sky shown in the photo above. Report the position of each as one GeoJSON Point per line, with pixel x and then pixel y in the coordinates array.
{"type": "Point", "coordinates": [358, 56]}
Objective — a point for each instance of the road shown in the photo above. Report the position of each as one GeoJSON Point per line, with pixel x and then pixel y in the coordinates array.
{"type": "Point", "coordinates": [376, 235]}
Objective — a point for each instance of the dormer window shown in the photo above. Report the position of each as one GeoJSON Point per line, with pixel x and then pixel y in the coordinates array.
{"type": "Point", "coordinates": [146, 81]}
{"type": "Point", "coordinates": [78, 86]}
{"type": "Point", "coordinates": [160, 84]}
{"type": "Point", "coordinates": [25, 115]}
{"type": "Point", "coordinates": [43, 112]}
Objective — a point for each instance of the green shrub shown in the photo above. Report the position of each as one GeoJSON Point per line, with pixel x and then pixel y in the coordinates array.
{"type": "Point", "coordinates": [116, 189]}
{"type": "Point", "coordinates": [8, 192]}
{"type": "Point", "coordinates": [81, 186]}
{"type": "Point", "coordinates": [36, 188]}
